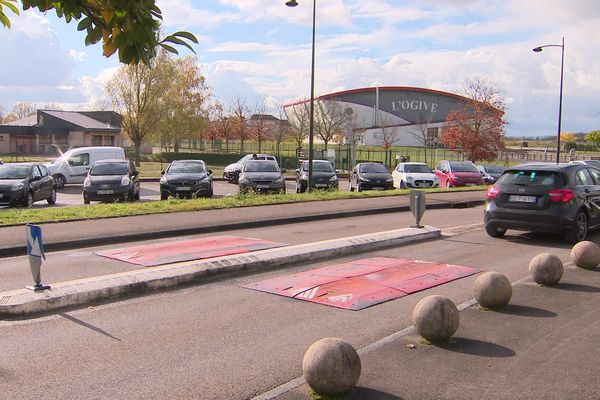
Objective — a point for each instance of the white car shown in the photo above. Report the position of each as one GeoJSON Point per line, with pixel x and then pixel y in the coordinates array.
{"type": "Point", "coordinates": [414, 175]}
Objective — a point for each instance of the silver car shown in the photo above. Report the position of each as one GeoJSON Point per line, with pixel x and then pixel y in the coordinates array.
{"type": "Point", "coordinates": [262, 176]}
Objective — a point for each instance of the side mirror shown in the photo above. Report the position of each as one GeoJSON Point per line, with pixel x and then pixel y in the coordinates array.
{"type": "Point", "coordinates": [71, 163]}
{"type": "Point", "coordinates": [338, 171]}
{"type": "Point", "coordinates": [162, 172]}
{"type": "Point", "coordinates": [134, 173]}
{"type": "Point", "coordinates": [209, 171]}
{"type": "Point", "coordinates": [297, 170]}
{"type": "Point", "coordinates": [283, 170]}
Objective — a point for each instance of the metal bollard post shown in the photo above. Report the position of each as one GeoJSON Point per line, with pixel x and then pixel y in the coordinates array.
{"type": "Point", "coordinates": [35, 253]}
{"type": "Point", "coordinates": [417, 206]}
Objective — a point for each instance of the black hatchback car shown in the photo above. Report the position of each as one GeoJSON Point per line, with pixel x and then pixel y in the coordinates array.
{"type": "Point", "coordinates": [25, 183]}
{"type": "Point", "coordinates": [111, 180]}
{"type": "Point", "coordinates": [323, 176]}
{"type": "Point", "coordinates": [186, 178]}
{"type": "Point", "coordinates": [555, 198]}
{"type": "Point", "coordinates": [371, 176]}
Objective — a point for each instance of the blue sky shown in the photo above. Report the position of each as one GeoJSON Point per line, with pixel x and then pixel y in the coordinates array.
{"type": "Point", "coordinates": [260, 50]}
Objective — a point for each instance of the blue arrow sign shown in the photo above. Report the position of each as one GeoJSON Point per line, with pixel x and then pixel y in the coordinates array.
{"type": "Point", "coordinates": [35, 245]}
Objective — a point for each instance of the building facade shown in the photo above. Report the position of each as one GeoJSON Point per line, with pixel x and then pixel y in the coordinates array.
{"type": "Point", "coordinates": [48, 131]}
{"type": "Point", "coordinates": [392, 115]}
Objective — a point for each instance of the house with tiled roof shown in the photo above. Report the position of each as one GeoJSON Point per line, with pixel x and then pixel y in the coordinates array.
{"type": "Point", "coordinates": [49, 130]}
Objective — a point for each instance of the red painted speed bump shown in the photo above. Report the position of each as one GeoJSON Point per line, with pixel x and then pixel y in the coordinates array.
{"type": "Point", "coordinates": [186, 250]}
{"type": "Point", "coordinates": [363, 283]}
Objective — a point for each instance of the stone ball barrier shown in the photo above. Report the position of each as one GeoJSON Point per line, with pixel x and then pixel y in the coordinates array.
{"type": "Point", "coordinates": [586, 255]}
{"type": "Point", "coordinates": [492, 290]}
{"type": "Point", "coordinates": [436, 318]}
{"type": "Point", "coordinates": [546, 269]}
{"type": "Point", "coordinates": [331, 366]}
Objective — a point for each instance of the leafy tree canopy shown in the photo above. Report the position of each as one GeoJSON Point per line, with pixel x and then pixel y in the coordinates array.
{"type": "Point", "coordinates": [129, 27]}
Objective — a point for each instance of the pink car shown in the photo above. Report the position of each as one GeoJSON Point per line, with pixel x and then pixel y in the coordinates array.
{"type": "Point", "coordinates": [458, 173]}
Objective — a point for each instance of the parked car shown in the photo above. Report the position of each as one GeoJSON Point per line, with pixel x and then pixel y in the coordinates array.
{"type": "Point", "coordinates": [232, 172]}
{"type": "Point", "coordinates": [25, 183]}
{"type": "Point", "coordinates": [324, 176]}
{"type": "Point", "coordinates": [593, 163]}
{"type": "Point", "coordinates": [186, 178]}
{"type": "Point", "coordinates": [458, 173]}
{"type": "Point", "coordinates": [111, 180]}
{"type": "Point", "coordinates": [370, 176]}
{"type": "Point", "coordinates": [414, 175]}
{"type": "Point", "coordinates": [73, 165]}
{"type": "Point", "coordinates": [262, 176]}
{"type": "Point", "coordinates": [490, 172]}
{"type": "Point", "coordinates": [556, 198]}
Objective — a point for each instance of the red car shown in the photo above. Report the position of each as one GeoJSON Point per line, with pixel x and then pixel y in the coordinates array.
{"type": "Point", "coordinates": [458, 173]}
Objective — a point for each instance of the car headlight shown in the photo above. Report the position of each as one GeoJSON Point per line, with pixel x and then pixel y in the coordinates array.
{"type": "Point", "coordinates": [244, 181]}
{"type": "Point", "coordinates": [280, 179]}
{"type": "Point", "coordinates": [390, 179]}
{"type": "Point", "coordinates": [435, 179]}
{"type": "Point", "coordinates": [163, 180]}
{"type": "Point", "coordinates": [454, 177]}
{"type": "Point", "coordinates": [87, 182]}
{"type": "Point", "coordinates": [203, 179]}
{"type": "Point", "coordinates": [125, 181]}
{"type": "Point", "coordinates": [410, 178]}
{"type": "Point", "coordinates": [362, 178]}
{"type": "Point", "coordinates": [17, 186]}
{"type": "Point", "coordinates": [333, 179]}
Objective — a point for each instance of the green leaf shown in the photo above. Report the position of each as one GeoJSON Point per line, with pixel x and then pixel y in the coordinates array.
{"type": "Point", "coordinates": [8, 3]}
{"type": "Point", "coordinates": [186, 35]}
{"type": "Point", "coordinates": [169, 48]}
{"type": "Point", "coordinates": [84, 24]}
{"type": "Point", "coordinates": [4, 20]}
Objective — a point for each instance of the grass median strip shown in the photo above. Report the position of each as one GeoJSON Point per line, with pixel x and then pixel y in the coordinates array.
{"type": "Point", "coordinates": [18, 216]}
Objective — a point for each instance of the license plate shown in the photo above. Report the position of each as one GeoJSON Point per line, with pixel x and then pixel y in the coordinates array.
{"type": "Point", "coordinates": [320, 185]}
{"type": "Point", "coordinates": [377, 188]}
{"type": "Point", "coordinates": [183, 188]}
{"type": "Point", "coordinates": [471, 184]}
{"type": "Point", "coordinates": [262, 186]}
{"type": "Point", "coordinates": [105, 192]}
{"type": "Point", "coordinates": [1, 195]}
{"type": "Point", "coordinates": [522, 199]}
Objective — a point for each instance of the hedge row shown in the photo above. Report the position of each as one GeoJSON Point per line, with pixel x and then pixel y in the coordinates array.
{"type": "Point", "coordinates": [211, 159]}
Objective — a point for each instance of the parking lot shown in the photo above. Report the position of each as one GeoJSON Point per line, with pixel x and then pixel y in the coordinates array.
{"type": "Point", "coordinates": [71, 195]}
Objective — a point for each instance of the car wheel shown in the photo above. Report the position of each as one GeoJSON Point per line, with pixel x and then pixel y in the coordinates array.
{"type": "Point", "coordinates": [402, 185]}
{"type": "Point", "coordinates": [136, 196]}
{"type": "Point", "coordinates": [28, 200]}
{"type": "Point", "coordinates": [358, 187]}
{"type": "Point", "coordinates": [579, 231]}
{"type": "Point", "coordinates": [59, 181]}
{"type": "Point", "coordinates": [351, 187]}
{"type": "Point", "coordinates": [494, 230]}
{"type": "Point", "coordinates": [302, 187]}
{"type": "Point", "coordinates": [52, 199]}
{"type": "Point", "coordinates": [86, 201]}
{"type": "Point", "coordinates": [130, 196]}
{"type": "Point", "coordinates": [164, 196]}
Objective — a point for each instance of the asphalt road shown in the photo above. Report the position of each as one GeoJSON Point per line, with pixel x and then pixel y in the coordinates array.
{"type": "Point", "coordinates": [221, 341]}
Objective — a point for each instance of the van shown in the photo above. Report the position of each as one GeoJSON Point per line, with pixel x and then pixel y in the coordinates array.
{"type": "Point", "coordinates": [73, 165]}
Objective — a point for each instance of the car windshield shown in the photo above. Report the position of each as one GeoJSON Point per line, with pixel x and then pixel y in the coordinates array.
{"type": "Point", "coordinates": [261, 167]}
{"type": "Point", "coordinates": [463, 167]}
{"type": "Point", "coordinates": [417, 168]}
{"type": "Point", "coordinates": [531, 178]}
{"type": "Point", "coordinates": [320, 167]}
{"type": "Point", "coordinates": [494, 169]}
{"type": "Point", "coordinates": [375, 167]}
{"type": "Point", "coordinates": [186, 168]}
{"type": "Point", "coordinates": [14, 171]}
{"type": "Point", "coordinates": [109, 169]}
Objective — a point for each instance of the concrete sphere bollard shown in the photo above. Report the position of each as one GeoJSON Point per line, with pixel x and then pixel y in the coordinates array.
{"type": "Point", "coordinates": [492, 290]}
{"type": "Point", "coordinates": [331, 366]}
{"type": "Point", "coordinates": [586, 255]}
{"type": "Point", "coordinates": [546, 269]}
{"type": "Point", "coordinates": [436, 318]}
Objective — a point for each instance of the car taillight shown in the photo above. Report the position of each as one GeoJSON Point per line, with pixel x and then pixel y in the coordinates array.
{"type": "Point", "coordinates": [560, 195]}
{"type": "Point", "coordinates": [492, 192]}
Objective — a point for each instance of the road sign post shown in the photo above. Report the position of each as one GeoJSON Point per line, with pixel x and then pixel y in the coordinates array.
{"type": "Point", "coordinates": [417, 206]}
{"type": "Point", "coordinates": [35, 253]}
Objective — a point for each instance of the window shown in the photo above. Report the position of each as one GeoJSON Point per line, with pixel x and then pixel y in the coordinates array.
{"type": "Point", "coordinates": [1, 138]}
{"type": "Point", "coordinates": [79, 160]}
{"type": "Point", "coordinates": [432, 137]}
{"type": "Point", "coordinates": [43, 170]}
{"type": "Point", "coordinates": [35, 172]}
{"type": "Point", "coordinates": [583, 178]}
{"type": "Point", "coordinates": [109, 140]}
{"type": "Point", "coordinates": [96, 140]}
{"type": "Point", "coordinates": [595, 174]}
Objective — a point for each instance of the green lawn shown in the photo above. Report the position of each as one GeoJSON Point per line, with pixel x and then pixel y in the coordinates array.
{"type": "Point", "coordinates": [17, 216]}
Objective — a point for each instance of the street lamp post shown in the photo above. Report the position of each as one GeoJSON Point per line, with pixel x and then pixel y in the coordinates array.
{"type": "Point", "coordinates": [562, 64]}
{"type": "Point", "coordinates": [294, 3]}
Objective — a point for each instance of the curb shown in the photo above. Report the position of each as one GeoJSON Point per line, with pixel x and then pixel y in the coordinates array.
{"type": "Point", "coordinates": [161, 234]}
{"type": "Point", "coordinates": [23, 302]}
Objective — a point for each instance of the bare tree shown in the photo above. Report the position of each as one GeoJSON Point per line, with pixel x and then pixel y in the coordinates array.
{"type": "Point", "coordinates": [390, 135]}
{"type": "Point", "coordinates": [2, 113]}
{"type": "Point", "coordinates": [282, 131]}
{"type": "Point", "coordinates": [223, 124]}
{"type": "Point", "coordinates": [240, 116]}
{"type": "Point", "coordinates": [24, 110]}
{"type": "Point", "coordinates": [329, 120]}
{"type": "Point", "coordinates": [421, 131]}
{"type": "Point", "coordinates": [260, 124]}
{"type": "Point", "coordinates": [298, 116]}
